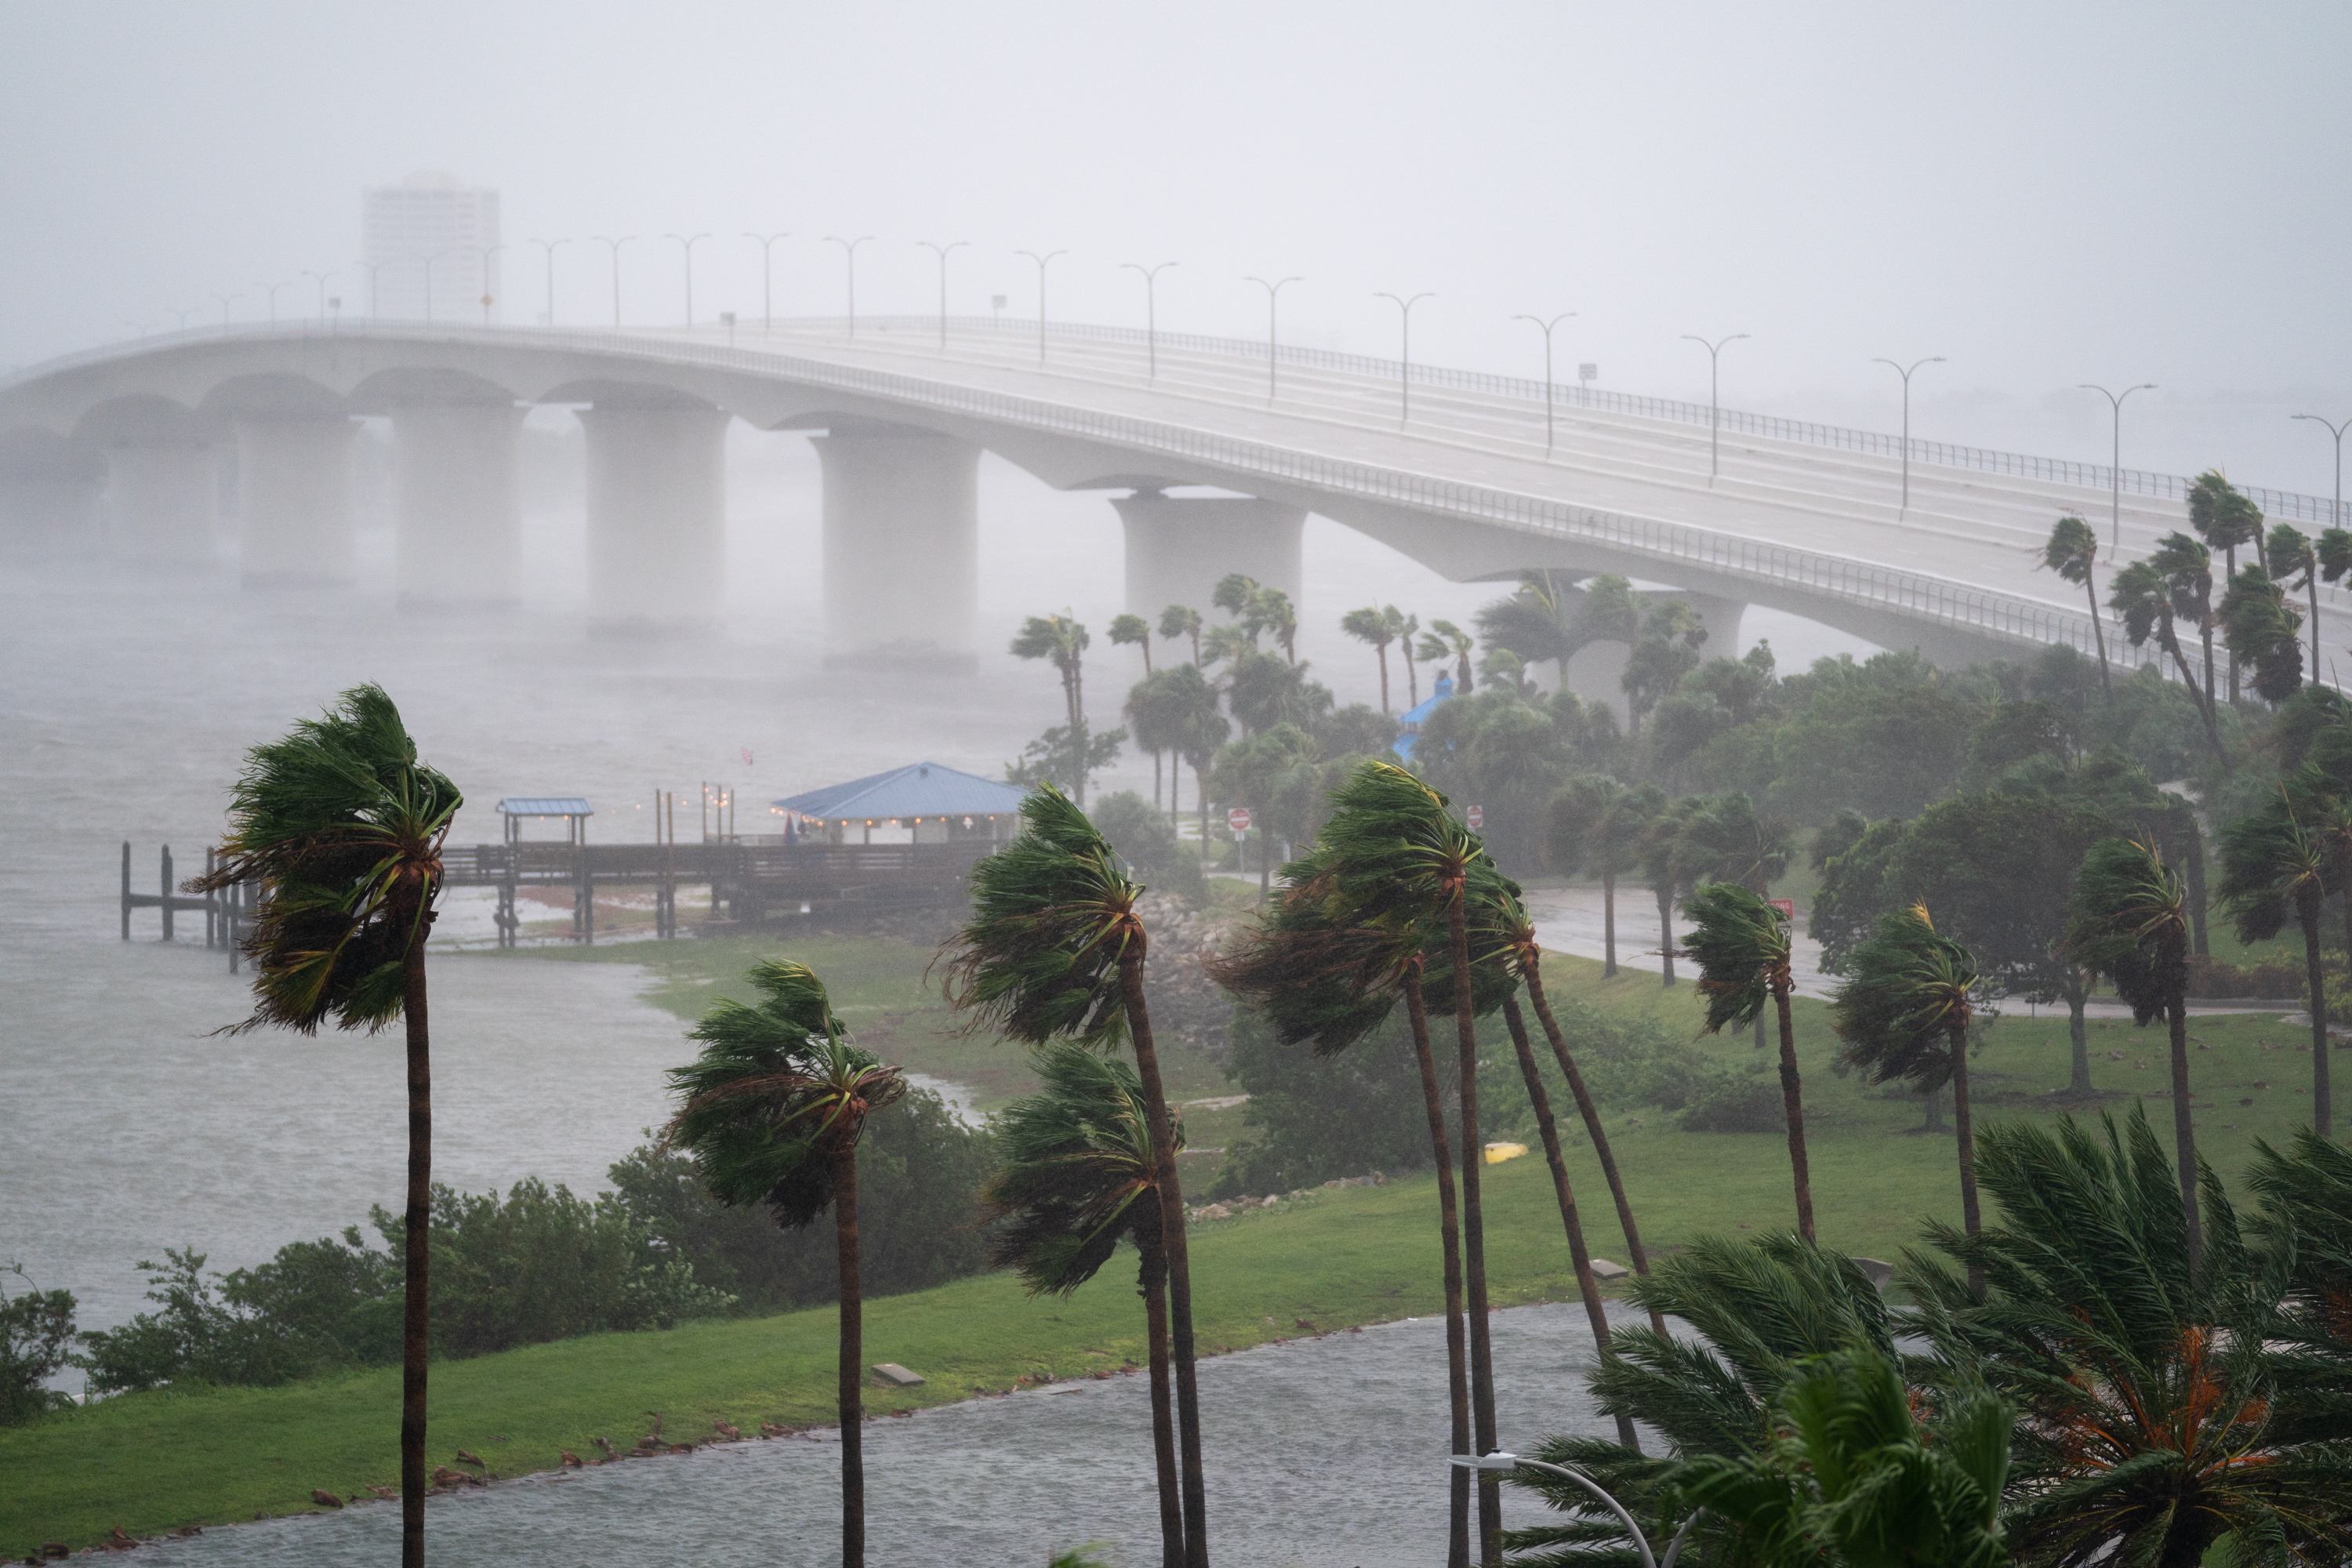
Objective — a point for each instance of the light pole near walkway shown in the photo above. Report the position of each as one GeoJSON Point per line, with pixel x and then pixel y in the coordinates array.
{"type": "Point", "coordinates": [1273, 349]}
{"type": "Point", "coordinates": [687, 241]}
{"type": "Point", "coordinates": [1499, 1462]}
{"type": "Point", "coordinates": [1041, 261]}
{"type": "Point", "coordinates": [1713, 400]}
{"type": "Point", "coordinates": [849, 254]}
{"type": "Point", "coordinates": [1546, 327]}
{"type": "Point", "coordinates": [767, 276]}
{"type": "Point", "coordinates": [615, 244]}
{"type": "Point", "coordinates": [548, 246]}
{"type": "Point", "coordinates": [2334, 512]}
{"type": "Point", "coordinates": [941, 252]}
{"type": "Point", "coordinates": [1150, 309]}
{"type": "Point", "coordinates": [1905, 374]}
{"type": "Point", "coordinates": [486, 252]}
{"type": "Point", "coordinates": [224, 300]}
{"type": "Point", "coordinates": [1404, 361]}
{"type": "Point", "coordinates": [2116, 461]}
{"type": "Point", "coordinates": [271, 289]}
{"type": "Point", "coordinates": [321, 279]}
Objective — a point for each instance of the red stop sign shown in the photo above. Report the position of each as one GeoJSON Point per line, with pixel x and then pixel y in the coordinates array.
{"type": "Point", "coordinates": [1238, 819]}
{"type": "Point", "coordinates": [1475, 816]}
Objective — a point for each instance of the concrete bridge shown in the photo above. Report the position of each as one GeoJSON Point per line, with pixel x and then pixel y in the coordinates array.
{"type": "Point", "coordinates": [117, 451]}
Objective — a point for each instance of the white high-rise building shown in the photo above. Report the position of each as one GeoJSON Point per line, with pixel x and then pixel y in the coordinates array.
{"type": "Point", "coordinates": [431, 247]}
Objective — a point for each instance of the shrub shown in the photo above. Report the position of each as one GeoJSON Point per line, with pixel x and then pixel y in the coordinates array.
{"type": "Point", "coordinates": [37, 1330]}
{"type": "Point", "coordinates": [2269, 981]}
{"type": "Point", "coordinates": [1141, 832]}
{"type": "Point", "coordinates": [1738, 1103]}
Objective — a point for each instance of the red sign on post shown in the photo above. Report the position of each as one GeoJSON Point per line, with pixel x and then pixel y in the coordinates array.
{"type": "Point", "coordinates": [1238, 819]}
{"type": "Point", "coordinates": [1788, 908]}
{"type": "Point", "coordinates": [1475, 816]}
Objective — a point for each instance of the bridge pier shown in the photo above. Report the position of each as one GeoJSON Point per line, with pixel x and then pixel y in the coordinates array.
{"type": "Point", "coordinates": [161, 501]}
{"type": "Point", "coordinates": [460, 510]}
{"type": "Point", "coordinates": [295, 527]}
{"type": "Point", "coordinates": [656, 518]}
{"type": "Point", "coordinates": [1178, 547]}
{"type": "Point", "coordinates": [901, 546]}
{"type": "Point", "coordinates": [50, 496]}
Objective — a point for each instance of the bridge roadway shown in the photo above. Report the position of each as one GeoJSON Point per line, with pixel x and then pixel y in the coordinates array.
{"type": "Point", "coordinates": [1465, 485]}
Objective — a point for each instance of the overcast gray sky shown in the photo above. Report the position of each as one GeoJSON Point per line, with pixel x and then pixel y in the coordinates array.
{"type": "Point", "coordinates": [2046, 194]}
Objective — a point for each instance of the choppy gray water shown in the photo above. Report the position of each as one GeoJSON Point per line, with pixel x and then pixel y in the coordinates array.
{"type": "Point", "coordinates": [1327, 1451]}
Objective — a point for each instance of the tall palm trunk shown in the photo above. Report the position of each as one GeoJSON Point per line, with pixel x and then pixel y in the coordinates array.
{"type": "Point", "coordinates": [2311, 580]}
{"type": "Point", "coordinates": [1449, 1231]}
{"type": "Point", "coordinates": [2307, 907]}
{"type": "Point", "coordinates": [1792, 1101]}
{"type": "Point", "coordinates": [1965, 1126]}
{"type": "Point", "coordinates": [1593, 1130]}
{"type": "Point", "coordinates": [1608, 925]}
{"type": "Point", "coordinates": [1473, 1238]}
{"type": "Point", "coordinates": [1665, 893]}
{"type": "Point", "coordinates": [2196, 859]}
{"type": "Point", "coordinates": [1154, 1282]}
{"type": "Point", "coordinates": [2184, 1133]}
{"type": "Point", "coordinates": [1180, 1267]}
{"type": "Point", "coordinates": [1382, 650]}
{"type": "Point", "coordinates": [2078, 1032]}
{"type": "Point", "coordinates": [1578, 1256]}
{"type": "Point", "coordinates": [416, 1248]}
{"type": "Point", "coordinates": [2098, 634]}
{"type": "Point", "coordinates": [851, 1373]}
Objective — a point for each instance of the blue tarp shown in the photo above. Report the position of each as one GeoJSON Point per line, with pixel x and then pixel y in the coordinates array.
{"type": "Point", "coordinates": [917, 790]}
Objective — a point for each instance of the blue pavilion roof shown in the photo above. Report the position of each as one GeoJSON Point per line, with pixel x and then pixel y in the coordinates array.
{"type": "Point", "coordinates": [919, 789]}
{"type": "Point", "coordinates": [1443, 690]}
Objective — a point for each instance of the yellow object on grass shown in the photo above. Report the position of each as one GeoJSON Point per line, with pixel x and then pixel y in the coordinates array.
{"type": "Point", "coordinates": [1498, 1152]}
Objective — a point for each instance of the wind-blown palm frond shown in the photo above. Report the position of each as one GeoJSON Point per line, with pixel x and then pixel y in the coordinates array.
{"type": "Point", "coordinates": [342, 828]}
{"type": "Point", "coordinates": [2303, 1232]}
{"type": "Point", "coordinates": [1907, 987]}
{"type": "Point", "coordinates": [1077, 1174]}
{"type": "Point", "coordinates": [2130, 923]}
{"type": "Point", "coordinates": [1740, 944]}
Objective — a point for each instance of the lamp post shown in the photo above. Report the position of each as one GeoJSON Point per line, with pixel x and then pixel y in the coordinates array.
{"type": "Point", "coordinates": [372, 269]}
{"type": "Point", "coordinates": [2115, 462]}
{"type": "Point", "coordinates": [849, 254]}
{"type": "Point", "coordinates": [183, 316]}
{"type": "Point", "coordinates": [616, 245]}
{"type": "Point", "coordinates": [320, 279]}
{"type": "Point", "coordinates": [1404, 364]}
{"type": "Point", "coordinates": [548, 247]}
{"type": "Point", "coordinates": [1506, 1462]}
{"type": "Point", "coordinates": [767, 277]}
{"type": "Point", "coordinates": [271, 289]}
{"type": "Point", "coordinates": [1273, 349]}
{"type": "Point", "coordinates": [1151, 311]}
{"type": "Point", "coordinates": [1713, 404]}
{"type": "Point", "coordinates": [224, 299]}
{"type": "Point", "coordinates": [941, 252]}
{"type": "Point", "coordinates": [1905, 374]}
{"type": "Point", "coordinates": [428, 283]}
{"type": "Point", "coordinates": [1546, 327]}
{"type": "Point", "coordinates": [1041, 261]}
{"type": "Point", "coordinates": [486, 252]}
{"type": "Point", "coordinates": [687, 242]}
{"type": "Point", "coordinates": [2336, 512]}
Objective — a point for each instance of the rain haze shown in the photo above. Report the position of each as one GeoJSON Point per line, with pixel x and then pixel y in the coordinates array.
{"type": "Point", "coordinates": [1372, 305]}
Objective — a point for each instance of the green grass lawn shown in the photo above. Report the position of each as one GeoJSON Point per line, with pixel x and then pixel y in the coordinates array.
{"type": "Point", "coordinates": [153, 1461]}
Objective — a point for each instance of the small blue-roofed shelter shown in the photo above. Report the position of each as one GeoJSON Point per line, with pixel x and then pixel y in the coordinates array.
{"type": "Point", "coordinates": [1410, 724]}
{"type": "Point", "coordinates": [933, 803]}
{"type": "Point", "coordinates": [518, 809]}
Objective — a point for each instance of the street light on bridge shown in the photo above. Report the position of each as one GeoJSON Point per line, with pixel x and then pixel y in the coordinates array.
{"type": "Point", "coordinates": [616, 245]}
{"type": "Point", "coordinates": [767, 277]}
{"type": "Point", "coordinates": [224, 299]}
{"type": "Point", "coordinates": [1905, 374]}
{"type": "Point", "coordinates": [1041, 261]}
{"type": "Point", "coordinates": [320, 278]}
{"type": "Point", "coordinates": [1151, 311]}
{"type": "Point", "coordinates": [1273, 291]}
{"type": "Point", "coordinates": [272, 291]}
{"type": "Point", "coordinates": [1404, 364]}
{"type": "Point", "coordinates": [849, 254]}
{"type": "Point", "coordinates": [2334, 512]}
{"type": "Point", "coordinates": [2115, 462]}
{"type": "Point", "coordinates": [486, 252]}
{"type": "Point", "coordinates": [686, 240]}
{"type": "Point", "coordinates": [547, 247]}
{"type": "Point", "coordinates": [1713, 403]}
{"type": "Point", "coordinates": [428, 283]}
{"type": "Point", "coordinates": [941, 251]}
{"type": "Point", "coordinates": [372, 269]}
{"type": "Point", "coordinates": [1546, 327]}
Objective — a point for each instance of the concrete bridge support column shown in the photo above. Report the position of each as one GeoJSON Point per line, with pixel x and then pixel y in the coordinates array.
{"type": "Point", "coordinates": [295, 527]}
{"type": "Point", "coordinates": [656, 518]}
{"type": "Point", "coordinates": [1178, 547]}
{"type": "Point", "coordinates": [902, 547]}
{"type": "Point", "coordinates": [460, 508]}
{"type": "Point", "coordinates": [160, 503]}
{"type": "Point", "coordinates": [50, 499]}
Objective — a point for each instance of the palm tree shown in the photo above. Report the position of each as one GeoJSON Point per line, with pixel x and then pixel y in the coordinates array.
{"type": "Point", "coordinates": [1135, 631]}
{"type": "Point", "coordinates": [1403, 627]}
{"type": "Point", "coordinates": [1054, 948]}
{"type": "Point", "coordinates": [1445, 640]}
{"type": "Point", "coordinates": [2127, 921]}
{"type": "Point", "coordinates": [2072, 552]}
{"type": "Point", "coordinates": [1272, 609]}
{"type": "Point", "coordinates": [1596, 824]}
{"type": "Point", "coordinates": [2156, 1397]}
{"type": "Point", "coordinates": [1372, 625]}
{"type": "Point", "coordinates": [1063, 640]}
{"type": "Point", "coordinates": [771, 1112]}
{"type": "Point", "coordinates": [1904, 1011]}
{"type": "Point", "coordinates": [2261, 628]}
{"type": "Point", "coordinates": [1503, 667]}
{"type": "Point", "coordinates": [2271, 864]}
{"type": "Point", "coordinates": [1666, 651]}
{"type": "Point", "coordinates": [2288, 552]}
{"type": "Point", "coordinates": [1079, 1175]}
{"type": "Point", "coordinates": [1182, 621]}
{"type": "Point", "coordinates": [1740, 944]}
{"type": "Point", "coordinates": [1534, 621]}
{"type": "Point", "coordinates": [1256, 772]}
{"type": "Point", "coordinates": [1666, 871]}
{"type": "Point", "coordinates": [341, 827]}
{"type": "Point", "coordinates": [1162, 710]}
{"type": "Point", "coordinates": [1233, 594]}
{"type": "Point", "coordinates": [2143, 603]}
{"type": "Point", "coordinates": [2186, 567]}
{"type": "Point", "coordinates": [2225, 517]}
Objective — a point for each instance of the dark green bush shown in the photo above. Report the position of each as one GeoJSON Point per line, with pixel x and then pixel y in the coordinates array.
{"type": "Point", "coordinates": [36, 1331]}
{"type": "Point", "coordinates": [1738, 1103]}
